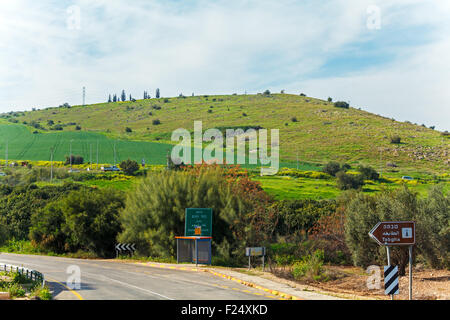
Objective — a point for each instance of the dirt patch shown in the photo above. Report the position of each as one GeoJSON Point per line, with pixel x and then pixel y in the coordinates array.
{"type": "Point", "coordinates": [428, 284]}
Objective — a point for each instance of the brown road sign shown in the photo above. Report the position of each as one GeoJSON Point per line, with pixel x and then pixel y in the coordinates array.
{"type": "Point", "coordinates": [394, 233]}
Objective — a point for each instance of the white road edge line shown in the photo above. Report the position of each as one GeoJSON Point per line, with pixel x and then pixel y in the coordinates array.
{"type": "Point", "coordinates": [131, 286]}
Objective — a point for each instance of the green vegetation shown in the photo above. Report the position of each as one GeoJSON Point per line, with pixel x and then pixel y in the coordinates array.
{"type": "Point", "coordinates": [432, 217]}
{"type": "Point", "coordinates": [20, 286]}
{"type": "Point", "coordinates": [340, 134]}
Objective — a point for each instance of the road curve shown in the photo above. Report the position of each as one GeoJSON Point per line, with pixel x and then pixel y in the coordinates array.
{"type": "Point", "coordinates": [109, 280]}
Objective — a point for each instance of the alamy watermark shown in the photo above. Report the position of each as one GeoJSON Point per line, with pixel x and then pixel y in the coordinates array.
{"type": "Point", "coordinates": [373, 21]}
{"type": "Point", "coordinates": [73, 282]}
{"type": "Point", "coordinates": [73, 20]}
{"type": "Point", "coordinates": [213, 152]}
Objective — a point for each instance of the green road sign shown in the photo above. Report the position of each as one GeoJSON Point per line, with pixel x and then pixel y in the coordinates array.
{"type": "Point", "coordinates": [198, 222]}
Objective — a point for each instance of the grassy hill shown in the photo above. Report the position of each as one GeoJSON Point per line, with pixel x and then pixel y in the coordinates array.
{"type": "Point", "coordinates": [312, 128]}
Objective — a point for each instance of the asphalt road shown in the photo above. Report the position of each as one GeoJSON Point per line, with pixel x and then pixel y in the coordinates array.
{"type": "Point", "coordinates": [109, 280]}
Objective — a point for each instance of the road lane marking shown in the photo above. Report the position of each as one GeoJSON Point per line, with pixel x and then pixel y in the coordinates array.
{"type": "Point", "coordinates": [132, 286]}
{"type": "Point", "coordinates": [72, 291]}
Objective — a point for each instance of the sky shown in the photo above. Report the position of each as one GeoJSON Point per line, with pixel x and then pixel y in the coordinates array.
{"type": "Point", "coordinates": [389, 57]}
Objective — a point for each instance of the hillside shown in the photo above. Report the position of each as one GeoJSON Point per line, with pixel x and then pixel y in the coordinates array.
{"type": "Point", "coordinates": [321, 133]}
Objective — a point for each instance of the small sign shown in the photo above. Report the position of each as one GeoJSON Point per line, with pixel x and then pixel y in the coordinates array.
{"type": "Point", "coordinates": [394, 233]}
{"type": "Point", "coordinates": [391, 280]}
{"type": "Point", "coordinates": [198, 222]}
{"type": "Point", "coordinates": [255, 252]}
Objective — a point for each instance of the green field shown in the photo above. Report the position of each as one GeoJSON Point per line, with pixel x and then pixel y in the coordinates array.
{"type": "Point", "coordinates": [320, 133]}
{"type": "Point", "coordinates": [24, 145]}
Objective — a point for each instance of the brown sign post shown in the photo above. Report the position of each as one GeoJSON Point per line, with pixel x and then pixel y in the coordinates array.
{"type": "Point", "coordinates": [396, 233]}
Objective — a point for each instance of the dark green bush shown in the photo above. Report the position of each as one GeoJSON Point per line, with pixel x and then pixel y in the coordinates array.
{"type": "Point", "coordinates": [341, 104]}
{"type": "Point", "coordinates": [349, 181]}
{"type": "Point", "coordinates": [129, 166]}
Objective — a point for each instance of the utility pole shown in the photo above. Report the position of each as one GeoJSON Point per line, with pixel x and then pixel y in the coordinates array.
{"type": "Point", "coordinates": [114, 153]}
{"type": "Point", "coordinates": [6, 153]}
{"type": "Point", "coordinates": [84, 96]}
{"type": "Point", "coordinates": [97, 154]}
{"type": "Point", "coordinates": [70, 155]}
{"type": "Point", "coordinates": [51, 164]}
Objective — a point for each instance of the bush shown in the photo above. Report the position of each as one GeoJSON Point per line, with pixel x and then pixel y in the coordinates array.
{"type": "Point", "coordinates": [341, 104]}
{"type": "Point", "coordinates": [294, 119]}
{"type": "Point", "coordinates": [349, 181]}
{"type": "Point", "coordinates": [432, 217]}
{"type": "Point", "coordinates": [77, 128]}
{"type": "Point", "coordinates": [310, 267]}
{"type": "Point", "coordinates": [74, 160]}
{"type": "Point", "coordinates": [127, 129]}
{"type": "Point", "coordinates": [396, 139]}
{"type": "Point", "coordinates": [330, 99]}
{"type": "Point", "coordinates": [83, 220]}
{"type": "Point", "coordinates": [368, 173]}
{"type": "Point", "coordinates": [129, 166]}
{"type": "Point", "coordinates": [156, 122]}
{"type": "Point", "coordinates": [334, 167]}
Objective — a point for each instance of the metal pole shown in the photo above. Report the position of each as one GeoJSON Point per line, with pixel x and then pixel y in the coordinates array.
{"type": "Point", "coordinates": [178, 249]}
{"type": "Point", "coordinates": [389, 263]}
{"type": "Point", "coordinates": [196, 252]}
{"type": "Point", "coordinates": [410, 272]}
{"type": "Point", "coordinates": [51, 165]}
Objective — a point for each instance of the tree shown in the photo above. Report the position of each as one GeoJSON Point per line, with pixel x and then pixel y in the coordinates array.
{"type": "Point", "coordinates": [91, 219]}
{"type": "Point", "coordinates": [349, 181]}
{"type": "Point", "coordinates": [396, 139]}
{"type": "Point", "coordinates": [341, 104]}
{"type": "Point", "coordinates": [115, 98]}
{"type": "Point", "coordinates": [73, 159]}
{"type": "Point", "coordinates": [334, 167]}
{"type": "Point", "coordinates": [109, 99]}
{"type": "Point", "coordinates": [128, 129]}
{"type": "Point", "coordinates": [368, 173]}
{"type": "Point", "coordinates": [154, 211]}
{"type": "Point", "coordinates": [124, 96]}
{"type": "Point", "coordinates": [157, 95]}
{"type": "Point", "coordinates": [129, 166]}
{"type": "Point", "coordinates": [432, 217]}
{"type": "Point", "coordinates": [330, 99]}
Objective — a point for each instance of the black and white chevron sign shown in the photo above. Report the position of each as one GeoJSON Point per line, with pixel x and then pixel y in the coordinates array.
{"type": "Point", "coordinates": [391, 280]}
{"type": "Point", "coordinates": [125, 247]}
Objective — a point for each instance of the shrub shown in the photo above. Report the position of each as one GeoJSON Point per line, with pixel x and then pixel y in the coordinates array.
{"type": "Point", "coordinates": [294, 119]}
{"type": "Point", "coordinates": [310, 267]}
{"type": "Point", "coordinates": [341, 104]}
{"type": "Point", "coordinates": [83, 220]}
{"type": "Point", "coordinates": [432, 216]}
{"type": "Point", "coordinates": [368, 173]}
{"type": "Point", "coordinates": [267, 92]}
{"type": "Point", "coordinates": [330, 99]}
{"type": "Point", "coordinates": [156, 122]}
{"type": "Point", "coordinates": [396, 139]}
{"type": "Point", "coordinates": [73, 159]}
{"type": "Point", "coordinates": [334, 167]}
{"type": "Point", "coordinates": [127, 129]}
{"type": "Point", "coordinates": [78, 127]}
{"type": "Point", "coordinates": [349, 181]}
{"type": "Point", "coordinates": [129, 166]}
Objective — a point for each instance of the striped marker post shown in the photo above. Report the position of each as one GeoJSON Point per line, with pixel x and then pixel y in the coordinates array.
{"type": "Point", "coordinates": [391, 280]}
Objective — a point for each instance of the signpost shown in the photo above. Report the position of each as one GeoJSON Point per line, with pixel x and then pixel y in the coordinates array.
{"type": "Point", "coordinates": [255, 252]}
{"type": "Point", "coordinates": [125, 247]}
{"type": "Point", "coordinates": [198, 222]}
{"type": "Point", "coordinates": [395, 233]}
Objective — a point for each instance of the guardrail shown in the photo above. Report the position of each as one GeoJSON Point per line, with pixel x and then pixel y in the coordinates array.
{"type": "Point", "coordinates": [33, 275]}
